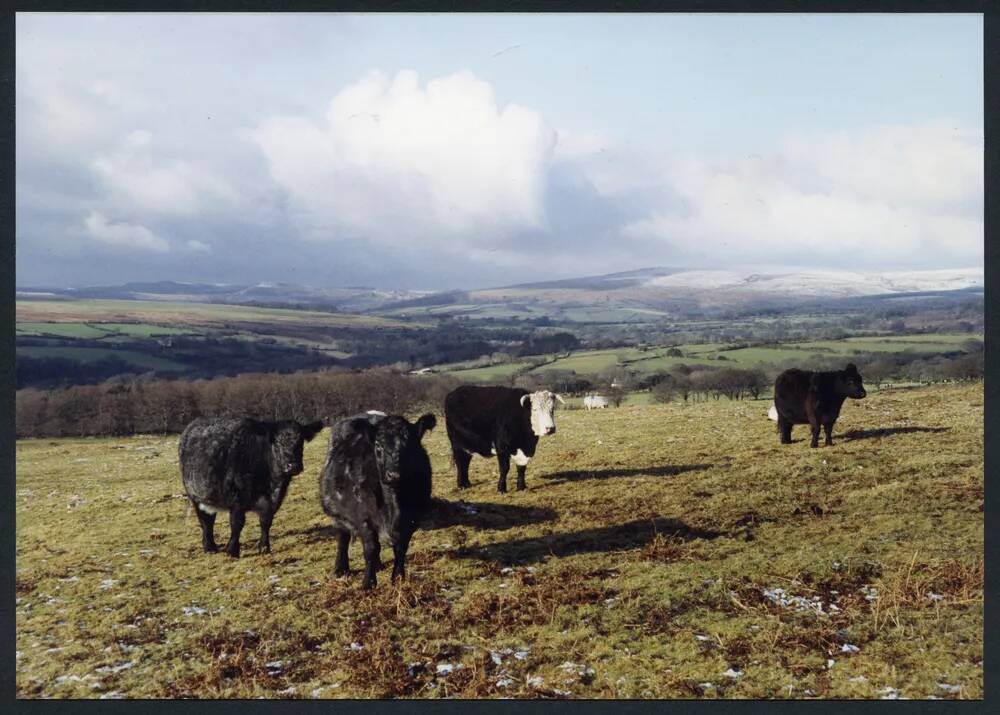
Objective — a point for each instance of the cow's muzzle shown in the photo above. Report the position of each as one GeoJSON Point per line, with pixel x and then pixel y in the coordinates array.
{"type": "Point", "coordinates": [550, 430]}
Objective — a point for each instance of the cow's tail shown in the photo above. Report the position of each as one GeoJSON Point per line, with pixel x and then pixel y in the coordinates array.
{"type": "Point", "coordinates": [772, 413]}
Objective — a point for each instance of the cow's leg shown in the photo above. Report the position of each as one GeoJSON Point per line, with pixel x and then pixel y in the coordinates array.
{"type": "Point", "coordinates": [207, 522]}
{"type": "Point", "coordinates": [814, 430]}
{"type": "Point", "coordinates": [237, 518]}
{"type": "Point", "coordinates": [341, 567]}
{"type": "Point", "coordinates": [462, 459]}
{"type": "Point", "coordinates": [399, 553]}
{"type": "Point", "coordinates": [264, 545]}
{"type": "Point", "coordinates": [521, 469]}
{"type": "Point", "coordinates": [369, 540]}
{"type": "Point", "coordinates": [828, 429]}
{"type": "Point", "coordinates": [784, 430]}
{"type": "Point", "coordinates": [503, 459]}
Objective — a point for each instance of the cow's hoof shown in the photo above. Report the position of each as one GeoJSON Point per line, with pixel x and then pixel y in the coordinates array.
{"type": "Point", "coordinates": [341, 573]}
{"type": "Point", "coordinates": [211, 549]}
{"type": "Point", "coordinates": [368, 585]}
{"type": "Point", "coordinates": [263, 548]}
{"type": "Point", "coordinates": [234, 553]}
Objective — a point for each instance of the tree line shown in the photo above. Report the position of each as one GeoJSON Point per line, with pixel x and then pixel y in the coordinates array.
{"type": "Point", "coordinates": [144, 405]}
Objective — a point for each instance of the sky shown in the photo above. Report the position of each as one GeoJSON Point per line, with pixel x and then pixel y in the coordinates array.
{"type": "Point", "coordinates": [437, 151]}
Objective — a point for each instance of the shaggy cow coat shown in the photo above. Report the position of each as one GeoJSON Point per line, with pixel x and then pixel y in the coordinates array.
{"type": "Point", "coordinates": [376, 485]}
{"type": "Point", "coordinates": [240, 465]}
{"type": "Point", "coordinates": [814, 398]}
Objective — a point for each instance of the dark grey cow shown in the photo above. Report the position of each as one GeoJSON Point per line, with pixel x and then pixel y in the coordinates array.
{"type": "Point", "coordinates": [376, 483]}
{"type": "Point", "coordinates": [240, 465]}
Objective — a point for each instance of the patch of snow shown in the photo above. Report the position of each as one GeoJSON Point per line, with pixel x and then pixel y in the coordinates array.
{"type": "Point", "coordinates": [535, 681]}
{"type": "Point", "coordinates": [106, 584]}
{"type": "Point", "coordinates": [888, 693]}
{"type": "Point", "coordinates": [948, 688]}
{"type": "Point", "coordinates": [193, 610]}
{"type": "Point", "coordinates": [505, 682]}
{"type": "Point", "coordinates": [115, 668]}
{"type": "Point", "coordinates": [849, 648]}
{"type": "Point", "coordinates": [733, 673]}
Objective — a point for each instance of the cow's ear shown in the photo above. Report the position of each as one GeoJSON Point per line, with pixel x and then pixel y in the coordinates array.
{"type": "Point", "coordinates": [311, 430]}
{"type": "Point", "coordinates": [523, 398]}
{"type": "Point", "coordinates": [425, 424]}
{"type": "Point", "coordinates": [851, 368]}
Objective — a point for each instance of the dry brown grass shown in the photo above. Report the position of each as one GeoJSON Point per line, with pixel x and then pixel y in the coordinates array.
{"type": "Point", "coordinates": [636, 565]}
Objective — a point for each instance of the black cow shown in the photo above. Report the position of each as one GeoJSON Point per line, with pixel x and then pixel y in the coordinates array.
{"type": "Point", "coordinates": [813, 398]}
{"type": "Point", "coordinates": [376, 482]}
{"type": "Point", "coordinates": [501, 421]}
{"type": "Point", "coordinates": [240, 465]}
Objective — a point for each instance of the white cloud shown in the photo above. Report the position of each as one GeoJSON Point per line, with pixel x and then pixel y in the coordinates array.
{"type": "Point", "coordinates": [124, 235]}
{"type": "Point", "coordinates": [392, 159]}
{"type": "Point", "coordinates": [140, 182]}
{"type": "Point", "coordinates": [198, 246]}
{"type": "Point", "coordinates": [888, 195]}
{"type": "Point", "coordinates": [579, 145]}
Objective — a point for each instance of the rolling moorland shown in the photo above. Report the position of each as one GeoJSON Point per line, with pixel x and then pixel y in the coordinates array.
{"type": "Point", "coordinates": [660, 551]}
{"type": "Point", "coordinates": [86, 335]}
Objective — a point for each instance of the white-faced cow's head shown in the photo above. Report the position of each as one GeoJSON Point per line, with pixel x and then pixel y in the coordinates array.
{"type": "Point", "coordinates": [543, 406]}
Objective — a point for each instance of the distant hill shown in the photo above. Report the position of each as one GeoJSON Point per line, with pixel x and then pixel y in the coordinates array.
{"type": "Point", "coordinates": [353, 299]}
{"type": "Point", "coordinates": [638, 296]}
{"type": "Point", "coordinates": [682, 291]}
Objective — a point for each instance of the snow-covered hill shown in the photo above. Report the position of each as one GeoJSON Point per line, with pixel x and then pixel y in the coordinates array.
{"type": "Point", "coordinates": [818, 284]}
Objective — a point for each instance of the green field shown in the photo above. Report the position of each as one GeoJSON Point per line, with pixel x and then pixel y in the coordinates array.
{"type": "Point", "coordinates": [185, 314]}
{"type": "Point", "coordinates": [592, 362]}
{"type": "Point", "coordinates": [643, 561]}
{"type": "Point", "coordinates": [139, 360]}
{"type": "Point", "coordinates": [60, 330]}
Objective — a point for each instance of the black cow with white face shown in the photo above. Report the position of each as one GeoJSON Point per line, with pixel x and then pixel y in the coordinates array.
{"type": "Point", "coordinates": [376, 484]}
{"type": "Point", "coordinates": [813, 398]}
{"type": "Point", "coordinates": [240, 465]}
{"type": "Point", "coordinates": [501, 421]}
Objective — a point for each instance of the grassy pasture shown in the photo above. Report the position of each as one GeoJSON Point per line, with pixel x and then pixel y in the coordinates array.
{"type": "Point", "coordinates": [185, 314]}
{"type": "Point", "coordinates": [589, 362]}
{"type": "Point", "coordinates": [140, 360]}
{"type": "Point", "coordinates": [642, 561]}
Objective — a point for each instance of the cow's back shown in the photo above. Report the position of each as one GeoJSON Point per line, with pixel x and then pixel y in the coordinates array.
{"type": "Point", "coordinates": [210, 441]}
{"type": "Point", "coordinates": [472, 413]}
{"type": "Point", "coordinates": [791, 389]}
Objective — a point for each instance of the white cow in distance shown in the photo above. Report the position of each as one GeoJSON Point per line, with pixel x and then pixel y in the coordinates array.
{"type": "Point", "coordinates": [592, 402]}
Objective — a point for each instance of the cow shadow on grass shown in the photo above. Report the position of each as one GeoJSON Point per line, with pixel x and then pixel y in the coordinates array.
{"type": "Point", "coordinates": [631, 535]}
{"type": "Point", "coordinates": [482, 516]}
{"type": "Point", "coordinates": [579, 475]}
{"type": "Point", "coordinates": [887, 432]}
